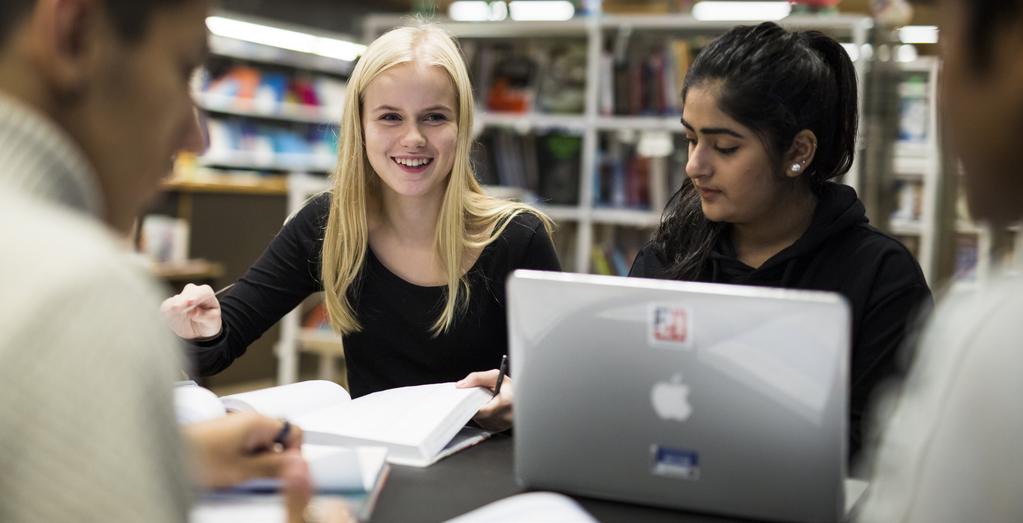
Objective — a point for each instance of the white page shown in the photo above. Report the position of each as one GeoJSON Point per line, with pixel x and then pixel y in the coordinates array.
{"type": "Point", "coordinates": [467, 437]}
{"type": "Point", "coordinates": [342, 469]}
{"type": "Point", "coordinates": [403, 416]}
{"type": "Point", "coordinates": [242, 508]}
{"type": "Point", "coordinates": [239, 508]}
{"type": "Point", "coordinates": [193, 403]}
{"type": "Point", "coordinates": [854, 491]}
{"type": "Point", "coordinates": [534, 507]}
{"type": "Point", "coordinates": [289, 401]}
{"type": "Point", "coordinates": [333, 469]}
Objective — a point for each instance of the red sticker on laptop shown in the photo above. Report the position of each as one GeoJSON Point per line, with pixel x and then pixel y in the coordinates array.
{"type": "Point", "coordinates": [670, 327]}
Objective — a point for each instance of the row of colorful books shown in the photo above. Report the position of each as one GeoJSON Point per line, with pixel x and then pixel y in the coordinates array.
{"type": "Point", "coordinates": [248, 86]}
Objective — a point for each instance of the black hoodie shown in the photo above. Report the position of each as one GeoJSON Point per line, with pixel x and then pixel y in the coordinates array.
{"type": "Point", "coordinates": [839, 252]}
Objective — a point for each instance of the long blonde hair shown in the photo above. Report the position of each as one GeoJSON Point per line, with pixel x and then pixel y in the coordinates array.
{"type": "Point", "coordinates": [469, 220]}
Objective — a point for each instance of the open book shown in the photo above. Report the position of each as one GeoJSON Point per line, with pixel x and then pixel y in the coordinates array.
{"type": "Point", "coordinates": [418, 425]}
{"type": "Point", "coordinates": [356, 475]}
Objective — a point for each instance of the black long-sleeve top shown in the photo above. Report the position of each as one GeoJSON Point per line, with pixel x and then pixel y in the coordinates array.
{"type": "Point", "coordinates": [395, 347]}
{"type": "Point", "coordinates": [839, 252]}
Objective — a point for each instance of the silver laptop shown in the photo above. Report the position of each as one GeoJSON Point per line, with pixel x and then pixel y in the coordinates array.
{"type": "Point", "coordinates": [705, 397]}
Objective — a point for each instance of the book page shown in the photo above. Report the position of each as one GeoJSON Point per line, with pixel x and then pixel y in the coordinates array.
{"type": "Point", "coordinates": [534, 507]}
{"type": "Point", "coordinates": [193, 403]}
{"type": "Point", "coordinates": [404, 416]}
{"type": "Point", "coordinates": [854, 491]}
{"type": "Point", "coordinates": [332, 470]}
{"type": "Point", "coordinates": [467, 437]}
{"type": "Point", "coordinates": [288, 401]}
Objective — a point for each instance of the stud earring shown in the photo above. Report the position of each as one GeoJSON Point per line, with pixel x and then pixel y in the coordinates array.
{"type": "Point", "coordinates": [796, 167]}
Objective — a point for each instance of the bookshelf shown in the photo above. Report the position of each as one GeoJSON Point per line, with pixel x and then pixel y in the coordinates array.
{"type": "Point", "coordinates": [920, 177]}
{"type": "Point", "coordinates": [270, 110]}
{"type": "Point", "coordinates": [654, 137]}
{"type": "Point", "coordinates": [272, 115]}
{"type": "Point", "coordinates": [917, 164]}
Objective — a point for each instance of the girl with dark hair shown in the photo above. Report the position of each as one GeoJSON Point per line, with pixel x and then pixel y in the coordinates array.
{"type": "Point", "coordinates": [770, 117]}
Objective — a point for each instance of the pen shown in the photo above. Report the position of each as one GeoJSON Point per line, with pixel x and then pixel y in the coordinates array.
{"type": "Point", "coordinates": [282, 436]}
{"type": "Point", "coordinates": [500, 374]}
{"type": "Point", "coordinates": [222, 291]}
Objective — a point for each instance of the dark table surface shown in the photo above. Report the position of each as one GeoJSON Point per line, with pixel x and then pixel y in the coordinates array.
{"type": "Point", "coordinates": [483, 474]}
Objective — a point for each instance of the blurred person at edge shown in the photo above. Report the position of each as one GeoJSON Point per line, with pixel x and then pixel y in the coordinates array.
{"type": "Point", "coordinates": [950, 450]}
{"type": "Point", "coordinates": [94, 101]}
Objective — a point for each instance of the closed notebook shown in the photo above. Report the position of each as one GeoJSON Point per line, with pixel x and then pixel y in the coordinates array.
{"type": "Point", "coordinates": [418, 425]}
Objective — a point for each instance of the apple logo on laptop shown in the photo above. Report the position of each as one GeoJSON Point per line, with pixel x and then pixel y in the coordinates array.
{"type": "Point", "coordinates": [671, 399]}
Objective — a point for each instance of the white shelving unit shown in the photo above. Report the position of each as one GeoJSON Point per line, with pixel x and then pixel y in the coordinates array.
{"type": "Point", "coordinates": [598, 31]}
{"type": "Point", "coordinates": [296, 339]}
{"type": "Point", "coordinates": [920, 163]}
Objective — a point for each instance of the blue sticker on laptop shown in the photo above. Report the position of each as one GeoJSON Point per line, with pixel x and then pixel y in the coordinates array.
{"type": "Point", "coordinates": [674, 462]}
{"type": "Point", "coordinates": [670, 326]}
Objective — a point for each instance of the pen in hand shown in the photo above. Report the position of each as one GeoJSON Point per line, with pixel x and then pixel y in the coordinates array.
{"type": "Point", "coordinates": [222, 291]}
{"type": "Point", "coordinates": [500, 374]}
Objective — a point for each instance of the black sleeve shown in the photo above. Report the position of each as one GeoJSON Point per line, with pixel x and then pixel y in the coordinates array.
{"type": "Point", "coordinates": [899, 298]}
{"type": "Point", "coordinates": [647, 264]}
{"type": "Point", "coordinates": [285, 274]}
{"type": "Point", "coordinates": [538, 253]}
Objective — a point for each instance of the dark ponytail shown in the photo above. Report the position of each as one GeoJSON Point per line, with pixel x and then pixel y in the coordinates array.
{"type": "Point", "coordinates": [777, 83]}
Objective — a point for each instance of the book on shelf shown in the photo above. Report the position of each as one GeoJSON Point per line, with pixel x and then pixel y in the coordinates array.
{"type": "Point", "coordinates": [163, 239]}
{"type": "Point", "coordinates": [417, 425]}
{"type": "Point", "coordinates": [245, 86]}
{"type": "Point", "coordinates": [546, 165]}
{"type": "Point", "coordinates": [967, 255]}
{"type": "Point", "coordinates": [646, 78]}
{"type": "Point", "coordinates": [599, 261]}
{"type": "Point", "coordinates": [627, 179]}
{"type": "Point", "coordinates": [317, 318]}
{"type": "Point", "coordinates": [562, 85]}
{"type": "Point", "coordinates": [914, 114]}
{"type": "Point", "coordinates": [613, 259]}
{"type": "Point", "coordinates": [559, 159]}
{"type": "Point", "coordinates": [529, 76]}
{"type": "Point", "coordinates": [909, 201]}
{"type": "Point", "coordinates": [237, 140]}
{"type": "Point", "coordinates": [911, 242]}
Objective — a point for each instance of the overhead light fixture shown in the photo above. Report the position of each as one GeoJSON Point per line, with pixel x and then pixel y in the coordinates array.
{"type": "Point", "coordinates": [477, 11]}
{"type": "Point", "coordinates": [541, 10]}
{"type": "Point", "coordinates": [469, 11]}
{"type": "Point", "coordinates": [284, 38]}
{"type": "Point", "coordinates": [919, 34]}
{"type": "Point", "coordinates": [740, 11]}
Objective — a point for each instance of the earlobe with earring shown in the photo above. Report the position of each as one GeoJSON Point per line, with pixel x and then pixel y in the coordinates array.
{"type": "Point", "coordinates": [796, 167]}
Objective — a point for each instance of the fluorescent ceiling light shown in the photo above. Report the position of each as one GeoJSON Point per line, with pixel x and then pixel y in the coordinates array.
{"type": "Point", "coordinates": [741, 11]}
{"type": "Point", "coordinates": [536, 10]}
{"type": "Point", "coordinates": [284, 38]}
{"type": "Point", "coordinates": [919, 34]}
{"type": "Point", "coordinates": [469, 11]}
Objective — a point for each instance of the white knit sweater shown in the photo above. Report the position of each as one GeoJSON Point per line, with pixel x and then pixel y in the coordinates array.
{"type": "Point", "coordinates": [87, 430]}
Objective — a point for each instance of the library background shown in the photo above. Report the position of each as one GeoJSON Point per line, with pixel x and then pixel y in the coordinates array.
{"type": "Point", "coordinates": [578, 113]}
